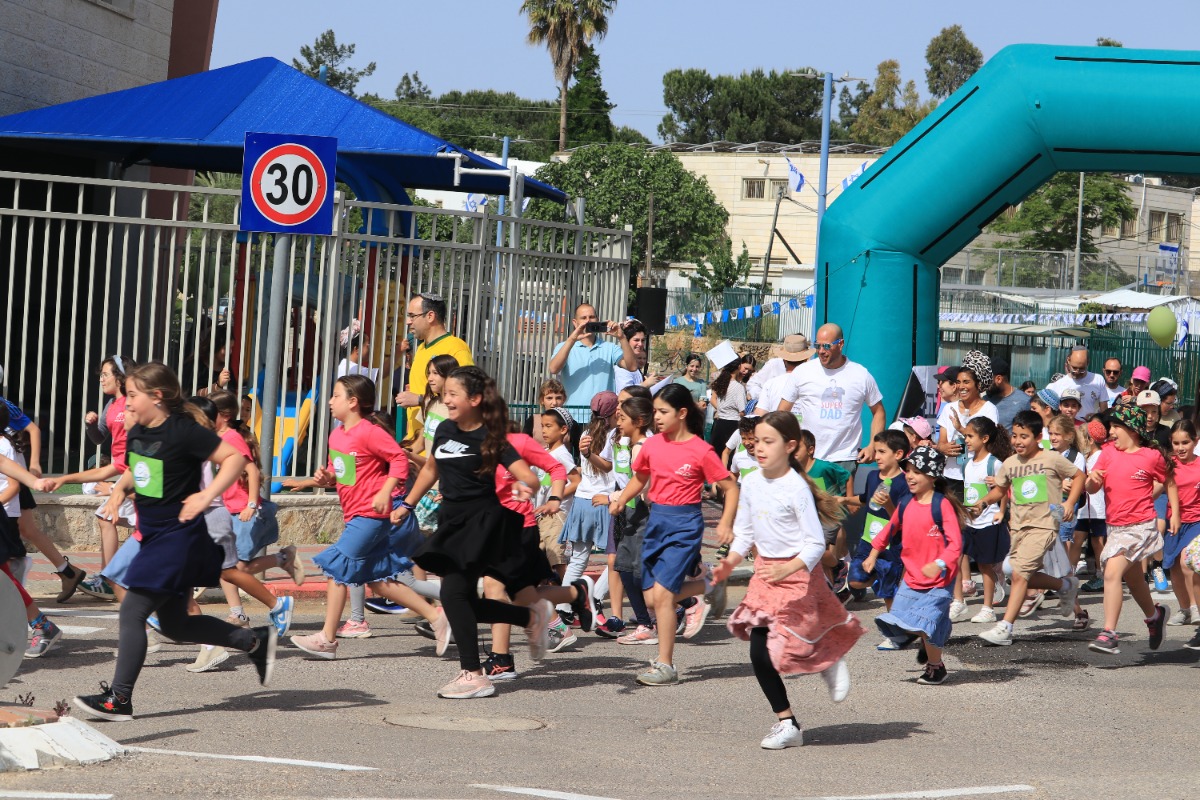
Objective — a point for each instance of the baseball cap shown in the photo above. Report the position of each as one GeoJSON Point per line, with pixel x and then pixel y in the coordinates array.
{"type": "Point", "coordinates": [1148, 398]}
{"type": "Point", "coordinates": [1070, 393]}
{"type": "Point", "coordinates": [1141, 374]}
{"type": "Point", "coordinates": [918, 424]}
{"type": "Point", "coordinates": [947, 374]}
{"type": "Point", "coordinates": [796, 347]}
{"type": "Point", "coordinates": [925, 460]}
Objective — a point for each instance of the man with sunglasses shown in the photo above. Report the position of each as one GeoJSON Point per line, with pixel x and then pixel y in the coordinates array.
{"type": "Point", "coordinates": [1112, 379]}
{"type": "Point", "coordinates": [427, 320]}
{"type": "Point", "coordinates": [829, 395]}
{"type": "Point", "coordinates": [1093, 391]}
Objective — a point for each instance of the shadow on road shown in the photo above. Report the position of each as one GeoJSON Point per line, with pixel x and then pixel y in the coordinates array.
{"type": "Point", "coordinates": [861, 733]}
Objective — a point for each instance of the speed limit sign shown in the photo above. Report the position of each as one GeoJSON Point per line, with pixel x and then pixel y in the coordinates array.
{"type": "Point", "coordinates": [287, 183]}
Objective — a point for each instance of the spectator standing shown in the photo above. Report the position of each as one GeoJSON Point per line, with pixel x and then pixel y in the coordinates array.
{"type": "Point", "coordinates": [1112, 380]}
{"type": "Point", "coordinates": [1093, 393]}
{"type": "Point", "coordinates": [794, 351]}
{"type": "Point", "coordinates": [692, 381]}
{"type": "Point", "coordinates": [585, 364]}
{"type": "Point", "coordinates": [426, 317]}
{"type": "Point", "coordinates": [1005, 397]}
{"type": "Point", "coordinates": [639, 342]}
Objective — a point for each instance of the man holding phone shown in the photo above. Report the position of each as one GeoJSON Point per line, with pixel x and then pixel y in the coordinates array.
{"type": "Point", "coordinates": [585, 364]}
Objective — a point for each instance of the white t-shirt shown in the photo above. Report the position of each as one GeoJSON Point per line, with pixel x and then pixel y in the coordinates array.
{"type": "Point", "coordinates": [563, 456]}
{"type": "Point", "coordinates": [954, 470]}
{"type": "Point", "coordinates": [1113, 394]}
{"type": "Point", "coordinates": [975, 479]}
{"type": "Point", "coordinates": [742, 463]}
{"type": "Point", "coordinates": [734, 441]}
{"type": "Point", "coordinates": [13, 506]}
{"type": "Point", "coordinates": [772, 393]}
{"type": "Point", "coordinates": [1092, 390]}
{"type": "Point", "coordinates": [734, 403]}
{"type": "Point", "coordinates": [1093, 504]}
{"type": "Point", "coordinates": [348, 367]}
{"type": "Point", "coordinates": [778, 517]}
{"type": "Point", "coordinates": [623, 377]}
{"type": "Point", "coordinates": [769, 371]}
{"type": "Point", "coordinates": [593, 481]}
{"type": "Point", "coordinates": [830, 402]}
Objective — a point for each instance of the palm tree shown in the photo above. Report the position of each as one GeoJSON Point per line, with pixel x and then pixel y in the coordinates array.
{"type": "Point", "coordinates": [565, 27]}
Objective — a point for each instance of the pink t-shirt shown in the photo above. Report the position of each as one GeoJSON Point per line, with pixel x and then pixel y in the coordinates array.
{"type": "Point", "coordinates": [238, 495]}
{"type": "Point", "coordinates": [534, 455]}
{"type": "Point", "coordinates": [114, 418]}
{"type": "Point", "coordinates": [1187, 478]}
{"type": "Point", "coordinates": [922, 543]}
{"type": "Point", "coordinates": [362, 458]}
{"type": "Point", "coordinates": [678, 470]}
{"type": "Point", "coordinates": [1129, 483]}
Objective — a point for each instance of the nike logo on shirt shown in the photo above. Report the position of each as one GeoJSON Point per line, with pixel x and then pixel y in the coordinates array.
{"type": "Point", "coordinates": [452, 449]}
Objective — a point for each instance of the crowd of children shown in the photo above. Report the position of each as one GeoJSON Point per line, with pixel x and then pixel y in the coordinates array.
{"type": "Point", "coordinates": [470, 521]}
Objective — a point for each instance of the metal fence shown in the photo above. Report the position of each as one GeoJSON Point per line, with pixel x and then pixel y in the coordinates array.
{"type": "Point", "coordinates": [1167, 272]}
{"type": "Point", "coordinates": [767, 328]}
{"type": "Point", "coordinates": [158, 272]}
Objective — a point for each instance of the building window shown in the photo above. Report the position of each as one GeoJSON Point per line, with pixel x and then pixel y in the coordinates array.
{"type": "Point", "coordinates": [776, 185]}
{"type": "Point", "coordinates": [754, 188]}
{"type": "Point", "coordinates": [1158, 226]}
{"type": "Point", "coordinates": [1129, 228]}
{"type": "Point", "coordinates": [1175, 228]}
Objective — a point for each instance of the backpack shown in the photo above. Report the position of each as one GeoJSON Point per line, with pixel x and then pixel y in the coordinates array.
{"type": "Point", "coordinates": [935, 508]}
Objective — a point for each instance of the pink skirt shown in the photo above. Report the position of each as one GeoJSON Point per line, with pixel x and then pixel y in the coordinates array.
{"type": "Point", "coordinates": [808, 628]}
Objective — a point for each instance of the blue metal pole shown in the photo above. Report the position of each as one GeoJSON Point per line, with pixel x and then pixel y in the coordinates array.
{"type": "Point", "coordinates": [822, 192]}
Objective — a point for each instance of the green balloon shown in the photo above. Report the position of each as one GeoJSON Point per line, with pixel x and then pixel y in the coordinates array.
{"type": "Point", "coordinates": [1161, 326]}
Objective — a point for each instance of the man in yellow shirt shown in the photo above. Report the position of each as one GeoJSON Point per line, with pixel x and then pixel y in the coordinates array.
{"type": "Point", "coordinates": [427, 320]}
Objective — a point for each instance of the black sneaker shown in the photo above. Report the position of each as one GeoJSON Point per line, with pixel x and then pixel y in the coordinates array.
{"type": "Point", "coordinates": [582, 604]}
{"type": "Point", "coordinates": [500, 667]}
{"type": "Point", "coordinates": [106, 705]}
{"type": "Point", "coordinates": [934, 676]}
{"type": "Point", "coordinates": [381, 605]}
{"type": "Point", "coordinates": [923, 656]}
{"type": "Point", "coordinates": [71, 578]}
{"type": "Point", "coordinates": [1155, 626]}
{"type": "Point", "coordinates": [263, 653]}
{"type": "Point", "coordinates": [1194, 642]}
{"type": "Point", "coordinates": [611, 628]}
{"type": "Point", "coordinates": [569, 619]}
{"type": "Point", "coordinates": [425, 629]}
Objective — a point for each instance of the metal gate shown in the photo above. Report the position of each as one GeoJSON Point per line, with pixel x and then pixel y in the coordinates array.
{"type": "Point", "coordinates": [155, 272]}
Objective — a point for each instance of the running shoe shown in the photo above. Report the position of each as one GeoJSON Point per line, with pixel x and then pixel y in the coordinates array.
{"type": "Point", "coordinates": [353, 630]}
{"type": "Point", "coordinates": [718, 599]}
{"type": "Point", "coordinates": [722, 551]}
{"type": "Point", "coordinates": [282, 619]}
{"type": "Point", "coordinates": [1082, 621]}
{"type": "Point", "coordinates": [837, 678]}
{"type": "Point", "coordinates": [999, 593]}
{"type": "Point", "coordinates": [695, 617]}
{"type": "Point", "coordinates": [1194, 642]}
{"type": "Point", "coordinates": [558, 638]}
{"type": "Point", "coordinates": [500, 667]}
{"type": "Point", "coordinates": [441, 632]}
{"type": "Point", "coordinates": [209, 658]}
{"type": "Point", "coordinates": [1094, 585]}
{"type": "Point", "coordinates": [381, 605]}
{"type": "Point", "coordinates": [262, 655]}
{"type": "Point", "coordinates": [611, 628]}
{"type": "Point", "coordinates": [887, 645]}
{"type": "Point", "coordinates": [237, 620]}
{"type": "Point", "coordinates": [1067, 596]}
{"type": "Point", "coordinates": [1181, 617]}
{"type": "Point", "coordinates": [537, 631]}
{"type": "Point", "coordinates": [1154, 626]}
{"type": "Point", "coordinates": [680, 620]}
{"type": "Point", "coordinates": [153, 622]}
{"type": "Point", "coordinates": [785, 733]}
{"type": "Point", "coordinates": [999, 635]}
{"type": "Point", "coordinates": [959, 612]}
{"type": "Point", "coordinates": [1032, 604]}
{"type": "Point", "coordinates": [71, 578]}
{"type": "Point", "coordinates": [1106, 642]}
{"type": "Point", "coordinates": [106, 705]}
{"type": "Point", "coordinates": [969, 587]}
{"type": "Point", "coordinates": [934, 675]}
{"type": "Point", "coordinates": [569, 619]}
{"type": "Point", "coordinates": [466, 686]}
{"type": "Point", "coordinates": [98, 588]}
{"type": "Point", "coordinates": [315, 645]}
{"type": "Point", "coordinates": [45, 636]}
{"type": "Point", "coordinates": [585, 590]}
{"type": "Point", "coordinates": [1160, 580]}
{"type": "Point", "coordinates": [425, 629]}
{"type": "Point", "coordinates": [659, 675]}
{"type": "Point", "coordinates": [292, 564]}
{"type": "Point", "coordinates": [985, 615]}
{"type": "Point", "coordinates": [640, 635]}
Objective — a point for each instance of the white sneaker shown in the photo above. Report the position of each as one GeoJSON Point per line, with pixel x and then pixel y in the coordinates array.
{"type": "Point", "coordinates": [959, 611]}
{"type": "Point", "coordinates": [837, 678]}
{"type": "Point", "coordinates": [783, 734]}
{"type": "Point", "coordinates": [1181, 617]}
{"type": "Point", "coordinates": [1067, 595]}
{"type": "Point", "coordinates": [999, 593]}
{"type": "Point", "coordinates": [999, 635]}
{"type": "Point", "coordinates": [209, 658]}
{"type": "Point", "coordinates": [985, 615]}
{"type": "Point", "coordinates": [887, 644]}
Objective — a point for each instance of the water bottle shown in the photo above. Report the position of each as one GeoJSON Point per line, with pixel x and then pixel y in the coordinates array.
{"type": "Point", "coordinates": [874, 507]}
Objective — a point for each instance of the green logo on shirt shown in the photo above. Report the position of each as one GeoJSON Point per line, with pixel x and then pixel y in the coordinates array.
{"type": "Point", "coordinates": [974, 492]}
{"type": "Point", "coordinates": [1030, 489]}
{"type": "Point", "coordinates": [345, 467]}
{"type": "Point", "coordinates": [147, 475]}
{"type": "Point", "coordinates": [431, 426]}
{"type": "Point", "coordinates": [872, 527]}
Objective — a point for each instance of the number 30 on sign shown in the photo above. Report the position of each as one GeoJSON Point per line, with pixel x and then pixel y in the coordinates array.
{"type": "Point", "coordinates": [287, 183]}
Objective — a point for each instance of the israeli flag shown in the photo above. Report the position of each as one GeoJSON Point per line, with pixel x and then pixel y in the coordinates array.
{"type": "Point", "coordinates": [853, 176]}
{"type": "Point", "coordinates": [1183, 334]}
{"type": "Point", "coordinates": [795, 177]}
{"type": "Point", "coordinates": [474, 201]}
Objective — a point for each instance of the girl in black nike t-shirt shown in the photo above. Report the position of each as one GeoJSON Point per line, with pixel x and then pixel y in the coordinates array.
{"type": "Point", "coordinates": [475, 533]}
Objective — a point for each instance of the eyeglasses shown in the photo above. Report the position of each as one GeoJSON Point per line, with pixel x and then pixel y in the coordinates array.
{"type": "Point", "coordinates": [1112, 372]}
{"type": "Point", "coordinates": [414, 316]}
{"type": "Point", "coordinates": [827, 346]}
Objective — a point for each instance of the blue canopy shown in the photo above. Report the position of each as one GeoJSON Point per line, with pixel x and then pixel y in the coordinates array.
{"type": "Point", "coordinates": [200, 122]}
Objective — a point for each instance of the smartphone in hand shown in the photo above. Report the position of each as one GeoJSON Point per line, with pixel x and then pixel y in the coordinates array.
{"type": "Point", "coordinates": [596, 327]}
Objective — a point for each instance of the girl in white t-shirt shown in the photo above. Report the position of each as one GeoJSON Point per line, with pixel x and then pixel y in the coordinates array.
{"type": "Point", "coordinates": [985, 538]}
{"type": "Point", "coordinates": [1090, 519]}
{"type": "Point", "coordinates": [953, 420]}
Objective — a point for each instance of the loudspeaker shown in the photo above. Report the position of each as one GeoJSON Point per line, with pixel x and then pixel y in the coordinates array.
{"type": "Point", "coordinates": [652, 309]}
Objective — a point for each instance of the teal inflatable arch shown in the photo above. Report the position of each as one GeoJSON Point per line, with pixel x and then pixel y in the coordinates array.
{"type": "Point", "coordinates": [1028, 113]}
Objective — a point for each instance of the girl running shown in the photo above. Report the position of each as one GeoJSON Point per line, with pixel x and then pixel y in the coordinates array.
{"type": "Point", "coordinates": [166, 449]}
{"type": "Point", "coordinates": [431, 411]}
{"type": "Point", "coordinates": [677, 463]}
{"type": "Point", "coordinates": [634, 421]}
{"type": "Point", "coordinates": [367, 467]}
{"type": "Point", "coordinates": [1127, 472]}
{"type": "Point", "coordinates": [1184, 581]}
{"type": "Point", "coordinates": [922, 604]}
{"type": "Point", "coordinates": [1091, 526]}
{"type": "Point", "coordinates": [985, 539]}
{"type": "Point", "coordinates": [475, 533]}
{"type": "Point", "coordinates": [794, 622]}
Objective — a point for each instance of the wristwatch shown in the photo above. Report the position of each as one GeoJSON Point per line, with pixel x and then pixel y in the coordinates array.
{"type": "Point", "coordinates": [252, 505]}
{"type": "Point", "coordinates": [940, 563]}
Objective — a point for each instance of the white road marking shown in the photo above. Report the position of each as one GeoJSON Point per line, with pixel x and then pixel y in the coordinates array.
{"type": "Point", "coordinates": [546, 793]}
{"type": "Point", "coordinates": [54, 795]}
{"type": "Point", "coordinates": [78, 630]}
{"type": "Point", "coordinates": [295, 762]}
{"type": "Point", "coordinates": [60, 612]}
{"type": "Point", "coordinates": [932, 794]}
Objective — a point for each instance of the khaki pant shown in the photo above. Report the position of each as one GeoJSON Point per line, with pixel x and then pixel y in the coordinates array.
{"type": "Point", "coordinates": [549, 527]}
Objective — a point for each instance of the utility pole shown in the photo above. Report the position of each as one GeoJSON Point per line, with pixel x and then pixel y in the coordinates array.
{"type": "Point", "coordinates": [649, 242]}
{"type": "Point", "coordinates": [1078, 231]}
{"type": "Point", "coordinates": [762, 294]}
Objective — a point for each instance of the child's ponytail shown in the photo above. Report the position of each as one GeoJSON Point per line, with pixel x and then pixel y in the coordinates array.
{"type": "Point", "coordinates": [999, 443]}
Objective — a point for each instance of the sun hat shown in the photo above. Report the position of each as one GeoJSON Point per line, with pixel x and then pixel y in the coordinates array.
{"type": "Point", "coordinates": [1132, 417]}
{"type": "Point", "coordinates": [925, 460]}
{"type": "Point", "coordinates": [796, 348]}
{"type": "Point", "coordinates": [1070, 393]}
{"type": "Point", "coordinates": [1141, 374]}
{"type": "Point", "coordinates": [1148, 398]}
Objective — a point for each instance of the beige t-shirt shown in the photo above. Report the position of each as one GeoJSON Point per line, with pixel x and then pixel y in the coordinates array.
{"type": "Point", "coordinates": [1036, 483]}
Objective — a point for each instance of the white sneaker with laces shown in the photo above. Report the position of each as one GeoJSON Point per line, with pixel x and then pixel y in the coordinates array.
{"type": "Point", "coordinates": [837, 678]}
{"type": "Point", "coordinates": [1180, 617]}
{"type": "Point", "coordinates": [784, 733]}
{"type": "Point", "coordinates": [999, 635]}
{"type": "Point", "coordinates": [959, 611]}
{"type": "Point", "coordinates": [984, 615]}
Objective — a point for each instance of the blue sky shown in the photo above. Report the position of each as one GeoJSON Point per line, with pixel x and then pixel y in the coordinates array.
{"type": "Point", "coordinates": [480, 44]}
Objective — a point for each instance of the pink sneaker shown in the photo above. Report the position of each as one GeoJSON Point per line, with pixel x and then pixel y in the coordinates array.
{"type": "Point", "coordinates": [466, 686]}
{"type": "Point", "coordinates": [354, 630]}
{"type": "Point", "coordinates": [441, 633]}
{"type": "Point", "coordinates": [969, 588]}
{"type": "Point", "coordinates": [315, 645]}
{"type": "Point", "coordinates": [695, 617]}
{"type": "Point", "coordinates": [642, 635]}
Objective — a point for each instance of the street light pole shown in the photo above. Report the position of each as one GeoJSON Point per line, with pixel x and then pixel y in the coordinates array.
{"type": "Point", "coordinates": [822, 191]}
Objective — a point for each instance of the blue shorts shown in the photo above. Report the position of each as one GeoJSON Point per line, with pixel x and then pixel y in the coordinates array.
{"type": "Point", "coordinates": [918, 612]}
{"type": "Point", "coordinates": [251, 537]}
{"type": "Point", "coordinates": [1173, 546]}
{"type": "Point", "coordinates": [889, 569]}
{"type": "Point", "coordinates": [671, 545]}
{"type": "Point", "coordinates": [115, 570]}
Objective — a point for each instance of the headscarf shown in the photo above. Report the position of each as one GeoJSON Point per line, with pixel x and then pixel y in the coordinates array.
{"type": "Point", "coordinates": [981, 366]}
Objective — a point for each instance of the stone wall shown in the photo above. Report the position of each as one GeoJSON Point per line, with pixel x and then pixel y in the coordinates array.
{"type": "Point", "coordinates": [70, 519]}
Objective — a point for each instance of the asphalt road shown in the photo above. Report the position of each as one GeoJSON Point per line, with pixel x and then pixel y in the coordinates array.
{"type": "Point", "coordinates": [1045, 714]}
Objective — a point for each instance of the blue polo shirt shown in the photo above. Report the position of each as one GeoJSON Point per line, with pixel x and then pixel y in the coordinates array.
{"type": "Point", "coordinates": [589, 371]}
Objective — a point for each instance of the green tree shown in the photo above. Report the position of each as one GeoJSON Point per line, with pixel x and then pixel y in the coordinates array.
{"type": "Point", "coordinates": [753, 106]}
{"type": "Point", "coordinates": [1104, 41]}
{"type": "Point", "coordinates": [617, 180]}
{"type": "Point", "coordinates": [1047, 217]}
{"type": "Point", "coordinates": [721, 271]}
{"type": "Point", "coordinates": [891, 110]}
{"type": "Point", "coordinates": [411, 88]}
{"type": "Point", "coordinates": [565, 27]}
{"type": "Point", "coordinates": [952, 59]}
{"type": "Point", "coordinates": [588, 106]}
{"type": "Point", "coordinates": [628, 135]}
{"type": "Point", "coordinates": [849, 105]}
{"type": "Point", "coordinates": [325, 51]}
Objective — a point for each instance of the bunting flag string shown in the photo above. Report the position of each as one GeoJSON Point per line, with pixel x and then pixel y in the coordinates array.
{"type": "Point", "coordinates": [1043, 319]}
{"type": "Point", "coordinates": [697, 321]}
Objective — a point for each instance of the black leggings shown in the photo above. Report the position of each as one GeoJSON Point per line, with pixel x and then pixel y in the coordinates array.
{"type": "Point", "coordinates": [176, 624]}
{"type": "Point", "coordinates": [637, 601]}
{"type": "Point", "coordinates": [465, 609]}
{"type": "Point", "coordinates": [768, 677]}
